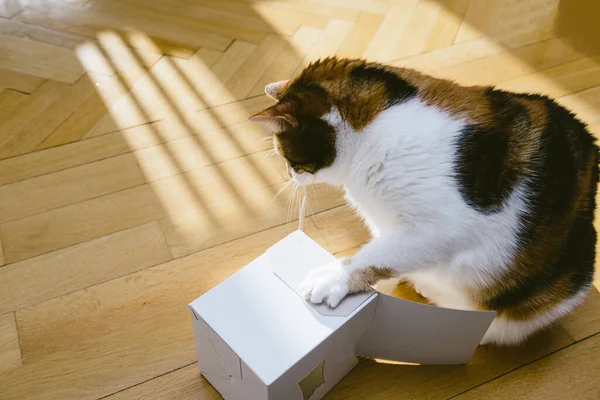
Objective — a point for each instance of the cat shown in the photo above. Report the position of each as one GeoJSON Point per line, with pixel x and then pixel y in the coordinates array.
{"type": "Point", "coordinates": [481, 198]}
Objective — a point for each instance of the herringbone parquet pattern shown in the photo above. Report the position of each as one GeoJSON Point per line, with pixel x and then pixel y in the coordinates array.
{"type": "Point", "coordinates": [131, 181]}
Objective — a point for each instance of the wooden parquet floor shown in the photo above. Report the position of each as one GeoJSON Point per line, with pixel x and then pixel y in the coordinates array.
{"type": "Point", "coordinates": [131, 181]}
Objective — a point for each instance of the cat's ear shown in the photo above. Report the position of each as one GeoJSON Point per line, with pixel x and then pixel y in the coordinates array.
{"type": "Point", "coordinates": [275, 118]}
{"type": "Point", "coordinates": [275, 89]}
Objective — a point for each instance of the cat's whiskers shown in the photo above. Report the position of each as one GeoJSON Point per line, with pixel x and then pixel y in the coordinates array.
{"type": "Point", "coordinates": [311, 213]}
{"type": "Point", "coordinates": [290, 203]}
{"type": "Point", "coordinates": [285, 186]}
{"type": "Point", "coordinates": [266, 138]}
{"type": "Point", "coordinates": [268, 154]}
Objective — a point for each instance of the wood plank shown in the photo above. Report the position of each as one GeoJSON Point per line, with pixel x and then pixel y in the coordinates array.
{"type": "Point", "coordinates": [308, 7]}
{"type": "Point", "coordinates": [77, 223]}
{"type": "Point", "coordinates": [230, 114]}
{"type": "Point", "coordinates": [545, 379]}
{"type": "Point", "coordinates": [192, 152]}
{"type": "Point", "coordinates": [391, 29]}
{"type": "Point", "coordinates": [509, 65]}
{"type": "Point", "coordinates": [43, 162]}
{"type": "Point", "coordinates": [139, 40]}
{"type": "Point", "coordinates": [19, 82]}
{"type": "Point", "coordinates": [206, 57]}
{"type": "Point", "coordinates": [498, 18]}
{"type": "Point", "coordinates": [9, 102]}
{"type": "Point", "coordinates": [10, 353]}
{"type": "Point", "coordinates": [558, 81]}
{"type": "Point", "coordinates": [585, 320]}
{"type": "Point", "coordinates": [206, 119]}
{"type": "Point", "coordinates": [163, 93]}
{"type": "Point", "coordinates": [39, 59]}
{"type": "Point", "coordinates": [289, 21]}
{"type": "Point", "coordinates": [141, 98]}
{"type": "Point", "coordinates": [243, 26]}
{"type": "Point", "coordinates": [39, 34]}
{"type": "Point", "coordinates": [235, 140]}
{"type": "Point", "coordinates": [292, 55]}
{"type": "Point", "coordinates": [1, 255]}
{"type": "Point", "coordinates": [51, 275]}
{"type": "Point", "coordinates": [418, 29]}
{"type": "Point", "coordinates": [204, 82]}
{"type": "Point", "coordinates": [240, 84]}
{"type": "Point", "coordinates": [28, 137]}
{"type": "Point", "coordinates": [78, 124]}
{"type": "Point", "coordinates": [372, 6]}
{"type": "Point", "coordinates": [247, 134]}
{"type": "Point", "coordinates": [183, 383]}
{"type": "Point", "coordinates": [186, 14]}
{"type": "Point", "coordinates": [69, 186]}
{"type": "Point", "coordinates": [360, 36]}
{"type": "Point", "coordinates": [328, 44]}
{"type": "Point", "coordinates": [123, 99]}
{"type": "Point", "coordinates": [341, 228]}
{"type": "Point", "coordinates": [469, 51]}
{"type": "Point", "coordinates": [239, 138]}
{"type": "Point", "coordinates": [111, 54]}
{"type": "Point", "coordinates": [115, 103]}
{"type": "Point", "coordinates": [33, 106]}
{"type": "Point", "coordinates": [478, 18]}
{"type": "Point", "coordinates": [86, 22]}
{"type": "Point", "coordinates": [148, 307]}
{"type": "Point", "coordinates": [447, 25]}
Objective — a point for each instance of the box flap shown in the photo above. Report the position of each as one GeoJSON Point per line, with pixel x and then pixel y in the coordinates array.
{"type": "Point", "coordinates": [292, 267]}
{"type": "Point", "coordinates": [214, 356]}
{"type": "Point", "coordinates": [265, 323]}
{"type": "Point", "coordinates": [419, 333]}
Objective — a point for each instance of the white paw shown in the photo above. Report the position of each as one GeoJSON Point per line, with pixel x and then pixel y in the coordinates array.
{"type": "Point", "coordinates": [328, 284]}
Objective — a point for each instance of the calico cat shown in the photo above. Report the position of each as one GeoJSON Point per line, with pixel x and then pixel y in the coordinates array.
{"type": "Point", "coordinates": [481, 198]}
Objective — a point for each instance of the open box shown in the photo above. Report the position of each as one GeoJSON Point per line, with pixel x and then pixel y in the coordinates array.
{"type": "Point", "coordinates": [256, 338]}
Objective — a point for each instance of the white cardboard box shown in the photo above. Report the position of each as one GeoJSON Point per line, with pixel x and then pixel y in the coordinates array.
{"type": "Point", "coordinates": [256, 338]}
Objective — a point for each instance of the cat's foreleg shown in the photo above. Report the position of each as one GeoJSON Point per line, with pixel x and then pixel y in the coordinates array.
{"type": "Point", "coordinates": [383, 257]}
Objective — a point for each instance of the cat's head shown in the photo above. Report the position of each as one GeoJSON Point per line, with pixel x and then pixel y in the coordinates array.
{"type": "Point", "coordinates": [319, 112]}
{"type": "Point", "coordinates": [302, 130]}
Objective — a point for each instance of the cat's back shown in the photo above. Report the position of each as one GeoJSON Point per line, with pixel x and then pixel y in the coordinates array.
{"type": "Point", "coordinates": [528, 142]}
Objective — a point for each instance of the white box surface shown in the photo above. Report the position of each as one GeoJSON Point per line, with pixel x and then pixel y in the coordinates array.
{"type": "Point", "coordinates": [256, 338]}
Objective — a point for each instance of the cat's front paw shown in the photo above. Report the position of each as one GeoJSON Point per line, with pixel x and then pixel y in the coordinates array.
{"type": "Point", "coordinates": [328, 284]}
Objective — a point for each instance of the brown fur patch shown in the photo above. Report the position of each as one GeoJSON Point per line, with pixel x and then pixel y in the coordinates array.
{"type": "Point", "coordinates": [361, 280]}
{"type": "Point", "coordinates": [359, 89]}
{"type": "Point", "coordinates": [461, 102]}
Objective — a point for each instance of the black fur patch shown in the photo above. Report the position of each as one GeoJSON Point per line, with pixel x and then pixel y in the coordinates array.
{"type": "Point", "coordinates": [484, 170]}
{"type": "Point", "coordinates": [398, 90]}
{"type": "Point", "coordinates": [310, 146]}
{"type": "Point", "coordinates": [565, 150]}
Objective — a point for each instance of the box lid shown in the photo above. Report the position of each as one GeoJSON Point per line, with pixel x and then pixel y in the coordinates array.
{"type": "Point", "coordinates": [264, 322]}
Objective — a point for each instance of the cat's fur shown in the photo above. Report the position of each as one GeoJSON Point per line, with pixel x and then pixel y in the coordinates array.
{"type": "Point", "coordinates": [483, 199]}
